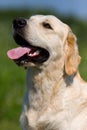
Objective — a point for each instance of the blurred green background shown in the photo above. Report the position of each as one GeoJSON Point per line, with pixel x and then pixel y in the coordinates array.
{"type": "Point", "coordinates": [12, 77]}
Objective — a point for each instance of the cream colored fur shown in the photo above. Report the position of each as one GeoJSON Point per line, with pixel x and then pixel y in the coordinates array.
{"type": "Point", "coordinates": [56, 97]}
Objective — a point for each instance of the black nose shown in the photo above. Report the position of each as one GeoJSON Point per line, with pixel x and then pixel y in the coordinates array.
{"type": "Point", "coordinates": [19, 23]}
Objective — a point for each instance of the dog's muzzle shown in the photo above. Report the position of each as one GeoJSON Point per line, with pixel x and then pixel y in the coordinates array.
{"type": "Point", "coordinates": [26, 52]}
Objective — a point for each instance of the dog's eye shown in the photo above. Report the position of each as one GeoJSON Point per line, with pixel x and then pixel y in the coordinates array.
{"type": "Point", "coordinates": [47, 25]}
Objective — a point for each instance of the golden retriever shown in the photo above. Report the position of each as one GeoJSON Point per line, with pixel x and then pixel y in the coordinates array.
{"type": "Point", "coordinates": [56, 97]}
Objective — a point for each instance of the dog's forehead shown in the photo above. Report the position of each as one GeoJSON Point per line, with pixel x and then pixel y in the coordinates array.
{"type": "Point", "coordinates": [58, 26]}
{"type": "Point", "coordinates": [49, 18]}
{"type": "Point", "coordinates": [54, 21]}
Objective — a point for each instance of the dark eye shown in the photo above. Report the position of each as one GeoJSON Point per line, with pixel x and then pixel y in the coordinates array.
{"type": "Point", "coordinates": [47, 25]}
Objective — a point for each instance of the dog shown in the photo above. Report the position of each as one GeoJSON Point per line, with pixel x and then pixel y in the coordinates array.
{"type": "Point", "coordinates": [56, 95]}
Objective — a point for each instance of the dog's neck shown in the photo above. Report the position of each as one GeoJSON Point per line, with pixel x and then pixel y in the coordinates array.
{"type": "Point", "coordinates": [37, 76]}
{"type": "Point", "coordinates": [44, 83]}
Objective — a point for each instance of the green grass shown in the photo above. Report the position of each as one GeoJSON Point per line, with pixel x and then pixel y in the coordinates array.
{"type": "Point", "coordinates": [11, 82]}
{"type": "Point", "coordinates": [12, 78]}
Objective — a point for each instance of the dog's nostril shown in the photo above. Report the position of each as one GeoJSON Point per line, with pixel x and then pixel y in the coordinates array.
{"type": "Point", "coordinates": [19, 23]}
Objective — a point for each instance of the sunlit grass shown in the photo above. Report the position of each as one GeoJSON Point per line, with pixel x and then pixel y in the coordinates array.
{"type": "Point", "coordinates": [9, 125]}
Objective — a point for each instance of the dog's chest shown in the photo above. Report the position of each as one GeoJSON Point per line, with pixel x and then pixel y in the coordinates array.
{"type": "Point", "coordinates": [32, 120]}
{"type": "Point", "coordinates": [29, 122]}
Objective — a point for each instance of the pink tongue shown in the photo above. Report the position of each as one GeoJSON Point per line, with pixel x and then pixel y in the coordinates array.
{"type": "Point", "coordinates": [16, 53]}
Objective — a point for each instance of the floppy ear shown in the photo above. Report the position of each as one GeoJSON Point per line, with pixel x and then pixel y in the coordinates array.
{"type": "Point", "coordinates": [72, 58]}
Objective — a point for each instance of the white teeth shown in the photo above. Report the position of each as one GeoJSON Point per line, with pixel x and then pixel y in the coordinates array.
{"type": "Point", "coordinates": [35, 53]}
{"type": "Point", "coordinates": [23, 62]}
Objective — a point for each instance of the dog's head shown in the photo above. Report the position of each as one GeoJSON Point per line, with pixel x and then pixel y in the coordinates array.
{"type": "Point", "coordinates": [42, 40]}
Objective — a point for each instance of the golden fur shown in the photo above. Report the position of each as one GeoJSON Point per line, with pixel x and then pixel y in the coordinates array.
{"type": "Point", "coordinates": [56, 97]}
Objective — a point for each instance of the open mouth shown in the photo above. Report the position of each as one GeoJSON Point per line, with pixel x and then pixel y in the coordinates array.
{"type": "Point", "coordinates": [27, 53]}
